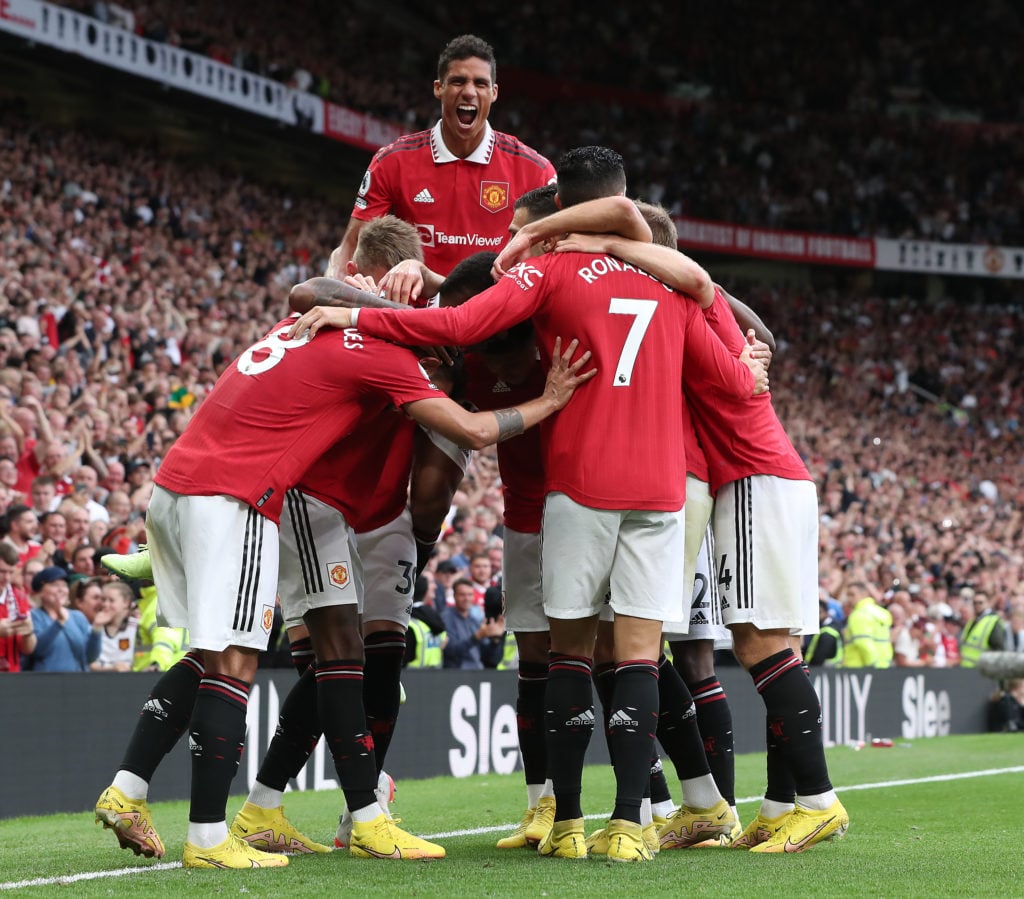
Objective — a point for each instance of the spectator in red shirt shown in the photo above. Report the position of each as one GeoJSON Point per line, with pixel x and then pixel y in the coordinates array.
{"type": "Point", "coordinates": [16, 632]}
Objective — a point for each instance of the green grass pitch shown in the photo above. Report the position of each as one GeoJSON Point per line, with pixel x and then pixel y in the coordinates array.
{"type": "Point", "coordinates": [940, 817]}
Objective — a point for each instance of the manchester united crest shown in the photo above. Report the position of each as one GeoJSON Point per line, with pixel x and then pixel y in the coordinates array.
{"type": "Point", "coordinates": [494, 195]}
{"type": "Point", "coordinates": [338, 574]}
{"type": "Point", "coordinates": [268, 618]}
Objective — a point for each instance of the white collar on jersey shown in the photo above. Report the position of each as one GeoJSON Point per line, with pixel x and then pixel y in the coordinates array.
{"type": "Point", "coordinates": [481, 154]}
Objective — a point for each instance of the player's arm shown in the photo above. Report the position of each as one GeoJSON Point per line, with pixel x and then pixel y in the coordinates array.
{"type": "Point", "coordinates": [333, 292]}
{"type": "Point", "coordinates": [708, 359]}
{"type": "Point", "coordinates": [435, 478]}
{"type": "Point", "coordinates": [503, 306]}
{"type": "Point", "coordinates": [748, 320]}
{"type": "Point", "coordinates": [475, 430]}
{"type": "Point", "coordinates": [667, 264]}
{"type": "Point", "coordinates": [607, 215]}
{"type": "Point", "coordinates": [345, 250]}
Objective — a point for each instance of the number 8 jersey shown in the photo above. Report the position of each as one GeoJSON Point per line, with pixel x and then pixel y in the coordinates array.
{"type": "Point", "coordinates": [280, 405]}
{"type": "Point", "coordinates": [618, 444]}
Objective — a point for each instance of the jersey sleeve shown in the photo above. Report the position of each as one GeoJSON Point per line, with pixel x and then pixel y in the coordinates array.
{"type": "Point", "coordinates": [720, 317]}
{"type": "Point", "coordinates": [711, 362]}
{"type": "Point", "coordinates": [509, 302]}
{"type": "Point", "coordinates": [398, 374]}
{"type": "Point", "coordinates": [374, 197]}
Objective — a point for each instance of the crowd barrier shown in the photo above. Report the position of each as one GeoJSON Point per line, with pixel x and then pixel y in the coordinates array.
{"type": "Point", "coordinates": [64, 734]}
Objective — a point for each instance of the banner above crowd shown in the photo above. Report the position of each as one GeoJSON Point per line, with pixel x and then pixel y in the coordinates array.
{"type": "Point", "coordinates": [882, 254]}
{"type": "Point", "coordinates": [114, 46]}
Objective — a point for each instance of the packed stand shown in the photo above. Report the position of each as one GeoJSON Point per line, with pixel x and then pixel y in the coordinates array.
{"type": "Point", "coordinates": [127, 284]}
{"type": "Point", "coordinates": [766, 125]}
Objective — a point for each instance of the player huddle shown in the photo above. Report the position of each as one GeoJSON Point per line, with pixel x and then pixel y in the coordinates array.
{"type": "Point", "coordinates": [657, 447]}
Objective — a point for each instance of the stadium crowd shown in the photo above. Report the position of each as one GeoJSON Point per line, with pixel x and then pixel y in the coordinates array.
{"type": "Point", "coordinates": [128, 281]}
{"type": "Point", "coordinates": [767, 125]}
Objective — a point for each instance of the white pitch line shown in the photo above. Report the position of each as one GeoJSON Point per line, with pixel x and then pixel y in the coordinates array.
{"type": "Point", "coordinates": [476, 831]}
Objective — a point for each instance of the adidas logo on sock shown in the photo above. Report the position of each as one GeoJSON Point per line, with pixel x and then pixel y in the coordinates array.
{"type": "Point", "coordinates": [501, 387]}
{"type": "Point", "coordinates": [423, 197]}
{"type": "Point", "coordinates": [621, 719]}
{"type": "Point", "coordinates": [585, 719]}
{"type": "Point", "coordinates": [154, 706]}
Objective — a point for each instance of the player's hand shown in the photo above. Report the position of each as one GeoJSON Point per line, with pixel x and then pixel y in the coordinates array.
{"type": "Point", "coordinates": [320, 317]}
{"type": "Point", "coordinates": [757, 369]}
{"type": "Point", "coordinates": [515, 251]}
{"type": "Point", "coordinates": [582, 243]}
{"type": "Point", "coordinates": [403, 283]}
{"type": "Point", "coordinates": [760, 351]}
{"type": "Point", "coordinates": [335, 267]}
{"type": "Point", "coordinates": [564, 375]}
{"type": "Point", "coordinates": [361, 282]}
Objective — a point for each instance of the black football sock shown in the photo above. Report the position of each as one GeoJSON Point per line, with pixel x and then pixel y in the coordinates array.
{"type": "Point", "coordinates": [568, 724]}
{"type": "Point", "coordinates": [339, 693]}
{"type": "Point", "coordinates": [794, 720]}
{"type": "Point", "coordinates": [714, 720]}
{"type": "Point", "coordinates": [677, 725]}
{"type": "Point", "coordinates": [632, 723]}
{"type": "Point", "coordinates": [604, 684]}
{"type": "Point", "coordinates": [657, 787]}
{"type": "Point", "coordinates": [303, 656]}
{"type": "Point", "coordinates": [298, 729]}
{"type": "Point", "coordinates": [163, 717]}
{"type": "Point", "coordinates": [382, 690]}
{"type": "Point", "coordinates": [216, 737]}
{"type": "Point", "coordinates": [533, 682]}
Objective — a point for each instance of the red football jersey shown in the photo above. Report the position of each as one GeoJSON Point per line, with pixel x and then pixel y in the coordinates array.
{"type": "Point", "coordinates": [280, 405]}
{"type": "Point", "coordinates": [619, 443]}
{"type": "Point", "coordinates": [520, 461]}
{"type": "Point", "coordinates": [741, 436]}
{"type": "Point", "coordinates": [459, 206]}
{"type": "Point", "coordinates": [366, 474]}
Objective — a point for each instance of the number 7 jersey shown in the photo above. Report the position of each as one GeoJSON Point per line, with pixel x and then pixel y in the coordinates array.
{"type": "Point", "coordinates": [280, 405]}
{"type": "Point", "coordinates": [618, 444]}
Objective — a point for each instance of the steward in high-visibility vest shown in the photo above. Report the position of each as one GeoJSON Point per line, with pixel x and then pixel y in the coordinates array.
{"type": "Point", "coordinates": [156, 647]}
{"type": "Point", "coordinates": [868, 636]}
{"type": "Point", "coordinates": [826, 646]}
{"type": "Point", "coordinates": [424, 644]}
{"type": "Point", "coordinates": [982, 633]}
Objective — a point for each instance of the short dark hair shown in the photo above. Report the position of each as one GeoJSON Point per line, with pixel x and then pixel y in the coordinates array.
{"type": "Point", "coordinates": [588, 173]}
{"type": "Point", "coordinates": [466, 46]}
{"type": "Point", "coordinates": [539, 202]}
{"type": "Point", "coordinates": [471, 276]}
{"type": "Point", "coordinates": [463, 582]}
{"type": "Point", "coordinates": [9, 554]}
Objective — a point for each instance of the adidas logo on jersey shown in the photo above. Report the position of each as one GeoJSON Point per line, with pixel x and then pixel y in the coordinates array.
{"type": "Point", "coordinates": [584, 720]}
{"type": "Point", "coordinates": [154, 706]}
{"type": "Point", "coordinates": [423, 197]}
{"type": "Point", "coordinates": [621, 719]}
{"type": "Point", "coordinates": [501, 387]}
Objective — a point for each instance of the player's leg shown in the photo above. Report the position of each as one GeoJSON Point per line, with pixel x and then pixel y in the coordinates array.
{"type": "Point", "coordinates": [524, 616]}
{"type": "Point", "coordinates": [229, 554]}
{"type": "Point", "coordinates": [764, 571]}
{"type": "Point", "coordinates": [162, 720]}
{"type": "Point", "coordinates": [578, 544]}
{"type": "Point", "coordinates": [647, 570]}
{"type": "Point", "coordinates": [165, 715]}
{"type": "Point", "coordinates": [262, 821]}
{"type": "Point", "coordinates": [388, 557]}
